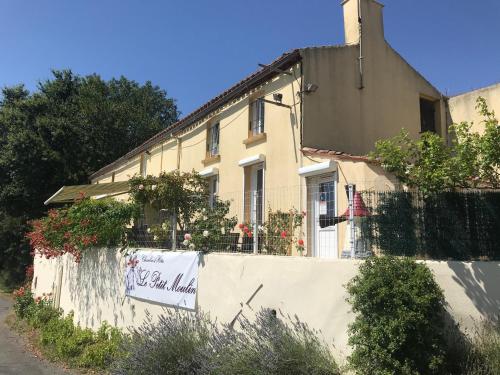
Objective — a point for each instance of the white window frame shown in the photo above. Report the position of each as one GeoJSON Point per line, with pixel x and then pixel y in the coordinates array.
{"type": "Point", "coordinates": [257, 116]}
{"type": "Point", "coordinates": [213, 141]}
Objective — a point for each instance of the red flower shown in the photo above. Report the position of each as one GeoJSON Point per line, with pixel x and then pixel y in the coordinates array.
{"type": "Point", "coordinates": [246, 230]}
{"type": "Point", "coordinates": [283, 234]}
{"type": "Point", "coordinates": [241, 226]}
{"type": "Point", "coordinates": [19, 292]}
{"type": "Point", "coordinates": [300, 242]}
{"type": "Point", "coordinates": [249, 234]}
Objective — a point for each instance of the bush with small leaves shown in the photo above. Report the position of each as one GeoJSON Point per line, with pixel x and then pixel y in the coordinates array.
{"type": "Point", "coordinates": [399, 325]}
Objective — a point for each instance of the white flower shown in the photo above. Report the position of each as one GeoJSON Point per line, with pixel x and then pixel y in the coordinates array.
{"type": "Point", "coordinates": [164, 226]}
{"type": "Point", "coordinates": [191, 246]}
{"type": "Point", "coordinates": [223, 230]}
{"type": "Point", "coordinates": [205, 233]}
{"type": "Point", "coordinates": [153, 187]}
{"type": "Point", "coordinates": [261, 227]}
{"type": "Point", "coordinates": [141, 187]}
{"type": "Point", "coordinates": [185, 242]}
{"type": "Point", "coordinates": [155, 238]}
{"type": "Point", "coordinates": [148, 230]}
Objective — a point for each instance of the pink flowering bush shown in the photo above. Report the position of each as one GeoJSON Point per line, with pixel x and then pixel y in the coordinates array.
{"type": "Point", "coordinates": [282, 230]}
{"type": "Point", "coordinates": [85, 224]}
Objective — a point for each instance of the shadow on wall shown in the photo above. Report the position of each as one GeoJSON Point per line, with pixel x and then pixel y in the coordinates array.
{"type": "Point", "coordinates": [93, 288]}
{"type": "Point", "coordinates": [481, 283]}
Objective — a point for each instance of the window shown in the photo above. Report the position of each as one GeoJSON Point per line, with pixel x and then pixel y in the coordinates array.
{"type": "Point", "coordinates": [427, 116]}
{"type": "Point", "coordinates": [254, 194]}
{"type": "Point", "coordinates": [213, 188]}
{"type": "Point", "coordinates": [256, 117]}
{"type": "Point", "coordinates": [213, 140]}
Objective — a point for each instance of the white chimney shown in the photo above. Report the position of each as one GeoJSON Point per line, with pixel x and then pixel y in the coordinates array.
{"type": "Point", "coordinates": [363, 17]}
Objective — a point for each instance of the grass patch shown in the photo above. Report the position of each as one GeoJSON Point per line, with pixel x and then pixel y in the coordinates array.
{"type": "Point", "coordinates": [484, 354]}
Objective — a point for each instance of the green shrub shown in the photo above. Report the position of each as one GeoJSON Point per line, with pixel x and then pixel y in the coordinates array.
{"type": "Point", "coordinates": [63, 340]}
{"type": "Point", "coordinates": [267, 346]}
{"type": "Point", "coordinates": [399, 325]}
{"type": "Point", "coordinates": [105, 349]}
{"type": "Point", "coordinates": [60, 339]}
{"type": "Point", "coordinates": [42, 313]}
{"type": "Point", "coordinates": [23, 302]}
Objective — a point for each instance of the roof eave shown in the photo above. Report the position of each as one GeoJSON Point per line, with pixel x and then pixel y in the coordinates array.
{"type": "Point", "coordinates": [238, 90]}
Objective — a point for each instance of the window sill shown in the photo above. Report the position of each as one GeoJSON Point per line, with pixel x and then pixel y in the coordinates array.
{"type": "Point", "coordinates": [211, 159]}
{"type": "Point", "coordinates": [255, 139]}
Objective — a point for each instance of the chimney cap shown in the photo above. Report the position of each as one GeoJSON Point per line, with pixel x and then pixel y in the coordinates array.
{"type": "Point", "coordinates": [373, 1]}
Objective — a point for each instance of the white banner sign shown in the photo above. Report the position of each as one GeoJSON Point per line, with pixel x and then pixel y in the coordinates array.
{"type": "Point", "coordinates": [170, 277]}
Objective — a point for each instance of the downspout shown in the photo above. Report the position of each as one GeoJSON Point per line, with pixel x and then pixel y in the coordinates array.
{"type": "Point", "coordinates": [301, 159]}
{"type": "Point", "coordinates": [161, 158]}
{"type": "Point", "coordinates": [179, 147]}
{"type": "Point", "coordinates": [360, 58]}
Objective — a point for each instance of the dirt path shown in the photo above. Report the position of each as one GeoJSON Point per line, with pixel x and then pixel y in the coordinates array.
{"type": "Point", "coordinates": [15, 358]}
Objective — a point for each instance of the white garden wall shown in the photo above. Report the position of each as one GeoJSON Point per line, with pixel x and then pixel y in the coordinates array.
{"type": "Point", "coordinates": [309, 287]}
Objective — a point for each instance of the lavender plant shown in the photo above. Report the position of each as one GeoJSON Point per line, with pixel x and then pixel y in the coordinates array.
{"type": "Point", "coordinates": [267, 345]}
{"type": "Point", "coordinates": [167, 346]}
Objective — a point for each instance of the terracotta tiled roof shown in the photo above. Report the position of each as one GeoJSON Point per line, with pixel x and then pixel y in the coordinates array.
{"type": "Point", "coordinates": [336, 155]}
{"type": "Point", "coordinates": [255, 79]}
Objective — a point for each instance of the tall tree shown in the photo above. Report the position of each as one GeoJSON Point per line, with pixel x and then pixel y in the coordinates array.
{"type": "Point", "coordinates": [70, 127]}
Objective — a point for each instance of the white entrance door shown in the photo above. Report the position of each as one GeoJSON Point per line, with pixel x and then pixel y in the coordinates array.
{"type": "Point", "coordinates": [323, 204]}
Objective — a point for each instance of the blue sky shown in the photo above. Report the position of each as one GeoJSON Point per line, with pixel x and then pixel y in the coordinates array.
{"type": "Point", "coordinates": [195, 49]}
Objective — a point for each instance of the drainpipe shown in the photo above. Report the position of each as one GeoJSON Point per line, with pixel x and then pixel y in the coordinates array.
{"type": "Point", "coordinates": [360, 58]}
{"type": "Point", "coordinates": [179, 142]}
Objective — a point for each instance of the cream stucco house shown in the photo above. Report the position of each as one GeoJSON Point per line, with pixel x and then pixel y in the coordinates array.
{"type": "Point", "coordinates": [462, 107]}
{"type": "Point", "coordinates": [294, 133]}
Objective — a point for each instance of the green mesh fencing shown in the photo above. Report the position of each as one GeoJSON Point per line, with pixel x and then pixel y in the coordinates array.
{"type": "Point", "coordinates": [450, 225]}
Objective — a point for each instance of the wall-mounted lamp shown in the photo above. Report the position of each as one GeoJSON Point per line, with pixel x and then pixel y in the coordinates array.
{"type": "Point", "coordinates": [310, 87]}
{"type": "Point", "coordinates": [148, 152]}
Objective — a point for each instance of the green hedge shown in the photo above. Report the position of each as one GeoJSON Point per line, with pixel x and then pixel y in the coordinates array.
{"type": "Point", "coordinates": [450, 225]}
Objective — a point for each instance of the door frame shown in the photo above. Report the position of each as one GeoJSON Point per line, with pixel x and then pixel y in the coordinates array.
{"type": "Point", "coordinates": [313, 203]}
